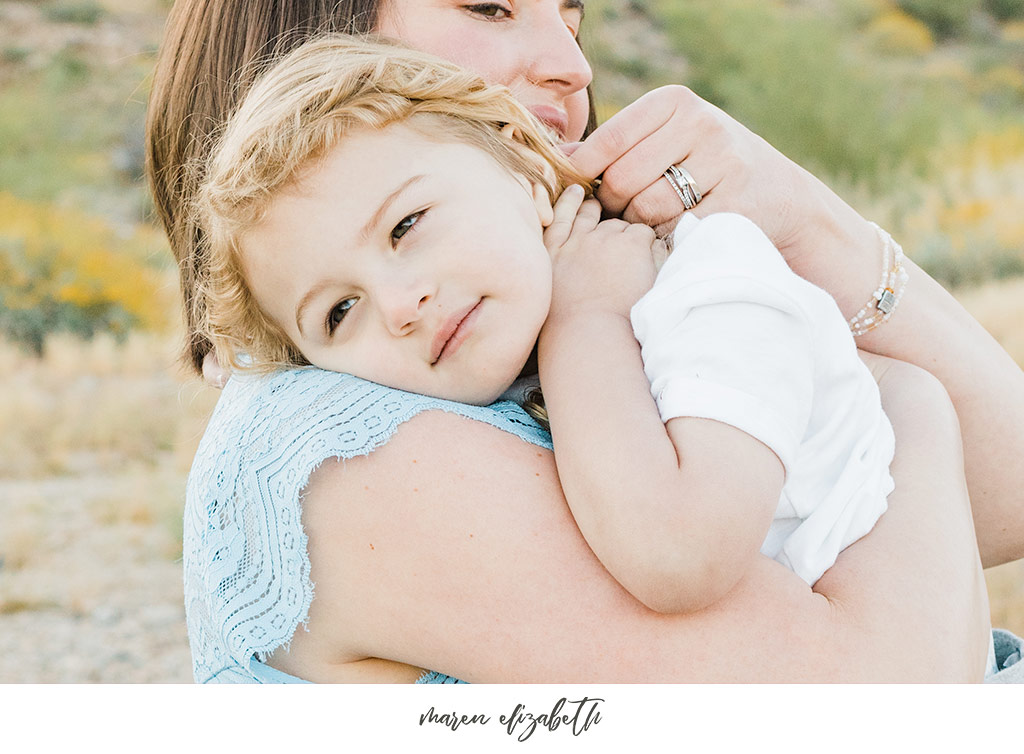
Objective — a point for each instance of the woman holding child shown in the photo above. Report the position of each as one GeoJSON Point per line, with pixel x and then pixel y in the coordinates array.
{"type": "Point", "coordinates": [449, 546]}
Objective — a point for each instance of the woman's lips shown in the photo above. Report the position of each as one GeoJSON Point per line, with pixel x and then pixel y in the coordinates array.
{"type": "Point", "coordinates": [454, 332]}
{"type": "Point", "coordinates": [553, 118]}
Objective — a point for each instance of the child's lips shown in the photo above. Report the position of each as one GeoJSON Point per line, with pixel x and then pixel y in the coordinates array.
{"type": "Point", "coordinates": [453, 332]}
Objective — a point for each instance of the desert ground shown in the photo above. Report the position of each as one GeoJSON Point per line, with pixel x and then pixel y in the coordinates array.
{"type": "Point", "coordinates": [96, 445]}
{"type": "Point", "coordinates": [914, 111]}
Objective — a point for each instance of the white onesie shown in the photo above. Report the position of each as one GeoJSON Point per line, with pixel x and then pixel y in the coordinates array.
{"type": "Point", "coordinates": [730, 333]}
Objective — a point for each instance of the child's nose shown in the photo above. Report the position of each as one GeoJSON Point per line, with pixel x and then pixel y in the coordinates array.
{"type": "Point", "coordinates": [403, 307]}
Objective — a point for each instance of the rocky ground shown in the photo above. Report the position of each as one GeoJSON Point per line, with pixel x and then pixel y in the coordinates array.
{"type": "Point", "coordinates": [90, 583]}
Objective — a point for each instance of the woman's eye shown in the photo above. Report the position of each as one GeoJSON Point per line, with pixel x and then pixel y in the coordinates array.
{"type": "Point", "coordinates": [490, 10]}
{"type": "Point", "coordinates": [405, 226]}
{"type": "Point", "coordinates": [337, 314]}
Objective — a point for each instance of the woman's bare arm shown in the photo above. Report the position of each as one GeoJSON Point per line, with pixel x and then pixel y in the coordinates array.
{"type": "Point", "coordinates": [452, 548]}
{"type": "Point", "coordinates": [827, 242]}
{"type": "Point", "coordinates": [932, 330]}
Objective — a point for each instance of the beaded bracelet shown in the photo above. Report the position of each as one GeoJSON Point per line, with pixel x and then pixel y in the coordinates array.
{"type": "Point", "coordinates": [890, 290]}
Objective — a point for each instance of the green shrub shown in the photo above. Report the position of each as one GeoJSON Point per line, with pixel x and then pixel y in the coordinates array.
{"type": "Point", "coordinates": [897, 33]}
{"type": "Point", "coordinates": [60, 125]}
{"type": "Point", "coordinates": [954, 270]}
{"type": "Point", "coordinates": [784, 74]}
{"type": "Point", "coordinates": [86, 12]}
{"type": "Point", "coordinates": [946, 18]}
{"type": "Point", "coordinates": [1005, 10]}
{"type": "Point", "coordinates": [63, 271]}
{"type": "Point", "coordinates": [14, 54]}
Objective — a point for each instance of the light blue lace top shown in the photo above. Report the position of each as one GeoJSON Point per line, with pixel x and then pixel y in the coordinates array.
{"type": "Point", "coordinates": [247, 586]}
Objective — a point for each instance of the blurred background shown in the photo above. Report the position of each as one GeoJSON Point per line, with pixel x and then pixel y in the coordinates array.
{"type": "Point", "coordinates": [912, 109]}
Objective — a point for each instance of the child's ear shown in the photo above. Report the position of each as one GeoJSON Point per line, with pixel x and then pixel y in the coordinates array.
{"type": "Point", "coordinates": [542, 202]}
{"type": "Point", "coordinates": [509, 131]}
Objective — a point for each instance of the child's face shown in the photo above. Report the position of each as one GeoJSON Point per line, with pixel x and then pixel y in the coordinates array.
{"type": "Point", "coordinates": [412, 263]}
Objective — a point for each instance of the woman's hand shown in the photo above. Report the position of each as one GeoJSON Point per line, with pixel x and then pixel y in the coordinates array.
{"type": "Point", "coordinates": [736, 171]}
{"type": "Point", "coordinates": [597, 265]}
{"type": "Point", "coordinates": [825, 241]}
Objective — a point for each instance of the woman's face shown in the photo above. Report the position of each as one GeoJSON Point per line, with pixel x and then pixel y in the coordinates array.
{"type": "Point", "coordinates": [527, 45]}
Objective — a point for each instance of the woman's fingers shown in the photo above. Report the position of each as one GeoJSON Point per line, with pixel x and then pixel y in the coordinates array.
{"type": "Point", "coordinates": [623, 131]}
{"type": "Point", "coordinates": [634, 148]}
{"type": "Point", "coordinates": [659, 205]}
{"type": "Point", "coordinates": [733, 168]}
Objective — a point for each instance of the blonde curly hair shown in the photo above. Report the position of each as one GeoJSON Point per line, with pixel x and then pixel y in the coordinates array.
{"type": "Point", "coordinates": [296, 114]}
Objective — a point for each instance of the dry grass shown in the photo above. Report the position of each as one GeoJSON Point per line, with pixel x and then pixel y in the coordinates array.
{"type": "Point", "coordinates": [96, 443]}
{"type": "Point", "coordinates": [97, 406]}
{"type": "Point", "coordinates": [1006, 596]}
{"type": "Point", "coordinates": [999, 306]}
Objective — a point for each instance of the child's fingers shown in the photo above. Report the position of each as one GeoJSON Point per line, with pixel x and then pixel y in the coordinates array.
{"type": "Point", "coordinates": [642, 232]}
{"type": "Point", "coordinates": [659, 252]}
{"type": "Point", "coordinates": [564, 214]}
{"type": "Point", "coordinates": [588, 217]}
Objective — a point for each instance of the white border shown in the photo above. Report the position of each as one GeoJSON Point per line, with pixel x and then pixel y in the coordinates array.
{"type": "Point", "coordinates": [364, 718]}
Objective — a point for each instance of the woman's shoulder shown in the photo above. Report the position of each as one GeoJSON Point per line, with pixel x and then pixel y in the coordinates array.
{"type": "Point", "coordinates": [247, 585]}
{"type": "Point", "coordinates": [331, 413]}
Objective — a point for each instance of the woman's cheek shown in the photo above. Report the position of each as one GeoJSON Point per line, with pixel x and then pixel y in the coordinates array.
{"type": "Point", "coordinates": [578, 109]}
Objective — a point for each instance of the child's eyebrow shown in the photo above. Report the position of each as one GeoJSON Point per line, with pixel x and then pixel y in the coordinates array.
{"type": "Point", "coordinates": [371, 225]}
{"type": "Point", "coordinates": [311, 294]}
{"type": "Point", "coordinates": [574, 5]}
{"type": "Point", "coordinates": [364, 236]}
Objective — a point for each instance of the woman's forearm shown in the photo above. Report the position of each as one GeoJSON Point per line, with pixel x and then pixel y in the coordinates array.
{"type": "Point", "coordinates": [948, 603]}
{"type": "Point", "coordinates": [932, 330]}
{"type": "Point", "coordinates": [830, 244]}
{"type": "Point", "coordinates": [452, 548]}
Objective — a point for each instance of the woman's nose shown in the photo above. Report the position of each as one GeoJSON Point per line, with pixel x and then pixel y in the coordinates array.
{"type": "Point", "coordinates": [556, 57]}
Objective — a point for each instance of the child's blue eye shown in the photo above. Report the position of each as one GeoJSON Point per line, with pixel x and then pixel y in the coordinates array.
{"type": "Point", "coordinates": [405, 226]}
{"type": "Point", "coordinates": [337, 314]}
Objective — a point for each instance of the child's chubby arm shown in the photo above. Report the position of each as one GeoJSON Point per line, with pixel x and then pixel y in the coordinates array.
{"type": "Point", "coordinates": [675, 512]}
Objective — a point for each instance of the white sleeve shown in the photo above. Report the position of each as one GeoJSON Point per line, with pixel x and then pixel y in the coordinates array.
{"type": "Point", "coordinates": [724, 335]}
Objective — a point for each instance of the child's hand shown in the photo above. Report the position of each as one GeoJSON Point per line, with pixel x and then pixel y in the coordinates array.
{"type": "Point", "coordinates": [598, 266]}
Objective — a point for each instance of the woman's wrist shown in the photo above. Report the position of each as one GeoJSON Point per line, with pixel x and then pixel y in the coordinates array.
{"type": "Point", "coordinates": [834, 247]}
{"type": "Point", "coordinates": [932, 330]}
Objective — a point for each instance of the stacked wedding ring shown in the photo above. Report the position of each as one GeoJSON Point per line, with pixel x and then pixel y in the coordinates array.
{"type": "Point", "coordinates": [684, 185]}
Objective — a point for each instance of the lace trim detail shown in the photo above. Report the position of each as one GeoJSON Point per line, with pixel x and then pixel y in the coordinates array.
{"type": "Point", "coordinates": [432, 676]}
{"type": "Point", "coordinates": [246, 568]}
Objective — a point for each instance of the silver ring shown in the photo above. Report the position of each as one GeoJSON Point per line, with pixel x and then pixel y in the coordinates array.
{"type": "Point", "coordinates": [684, 185]}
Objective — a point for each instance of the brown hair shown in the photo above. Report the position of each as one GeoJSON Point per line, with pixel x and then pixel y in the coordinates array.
{"type": "Point", "coordinates": [212, 52]}
{"type": "Point", "coordinates": [296, 114]}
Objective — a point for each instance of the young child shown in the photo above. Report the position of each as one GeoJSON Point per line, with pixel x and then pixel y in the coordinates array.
{"type": "Point", "coordinates": [377, 211]}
